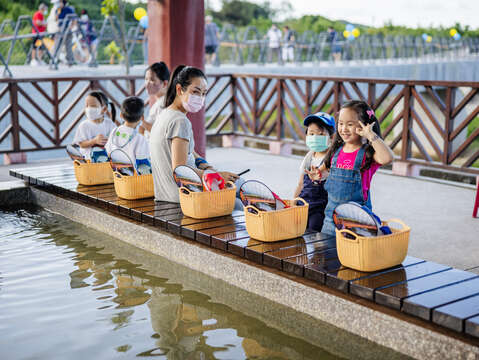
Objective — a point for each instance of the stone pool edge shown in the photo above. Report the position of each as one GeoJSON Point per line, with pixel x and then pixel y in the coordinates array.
{"type": "Point", "coordinates": [378, 327]}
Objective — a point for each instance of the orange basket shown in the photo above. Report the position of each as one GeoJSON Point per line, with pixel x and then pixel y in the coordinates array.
{"type": "Point", "coordinates": [133, 187]}
{"type": "Point", "coordinates": [208, 204]}
{"type": "Point", "coordinates": [277, 225]}
{"type": "Point", "coordinates": [93, 173]}
{"type": "Point", "coordinates": [373, 253]}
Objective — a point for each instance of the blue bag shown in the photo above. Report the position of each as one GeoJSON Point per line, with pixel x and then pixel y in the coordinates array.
{"type": "Point", "coordinates": [143, 166]}
{"type": "Point", "coordinates": [98, 155]}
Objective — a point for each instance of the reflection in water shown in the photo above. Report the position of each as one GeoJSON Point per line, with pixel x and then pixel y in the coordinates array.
{"type": "Point", "coordinates": [121, 307]}
{"type": "Point", "coordinates": [69, 292]}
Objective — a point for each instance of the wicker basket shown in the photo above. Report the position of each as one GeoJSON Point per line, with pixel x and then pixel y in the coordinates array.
{"type": "Point", "coordinates": [277, 225]}
{"type": "Point", "coordinates": [93, 173]}
{"type": "Point", "coordinates": [208, 204]}
{"type": "Point", "coordinates": [373, 253]}
{"type": "Point", "coordinates": [133, 187]}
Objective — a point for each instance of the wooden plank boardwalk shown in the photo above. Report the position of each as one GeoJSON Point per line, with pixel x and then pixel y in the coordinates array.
{"type": "Point", "coordinates": [433, 292]}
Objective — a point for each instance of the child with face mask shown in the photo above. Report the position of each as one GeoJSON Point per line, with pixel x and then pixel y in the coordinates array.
{"type": "Point", "coordinates": [319, 131]}
{"type": "Point", "coordinates": [94, 131]}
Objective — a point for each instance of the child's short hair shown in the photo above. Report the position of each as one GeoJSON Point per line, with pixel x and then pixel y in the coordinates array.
{"type": "Point", "coordinates": [323, 120]}
{"type": "Point", "coordinates": [132, 109]}
{"type": "Point", "coordinates": [321, 125]}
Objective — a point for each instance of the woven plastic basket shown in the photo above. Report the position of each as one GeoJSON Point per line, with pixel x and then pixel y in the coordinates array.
{"type": "Point", "coordinates": [277, 225]}
{"type": "Point", "coordinates": [208, 204]}
{"type": "Point", "coordinates": [133, 187]}
{"type": "Point", "coordinates": [373, 253]}
{"type": "Point", "coordinates": [93, 173]}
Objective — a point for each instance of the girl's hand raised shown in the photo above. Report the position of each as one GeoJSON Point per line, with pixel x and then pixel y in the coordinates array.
{"type": "Point", "coordinates": [366, 131]}
{"type": "Point", "coordinates": [382, 153]}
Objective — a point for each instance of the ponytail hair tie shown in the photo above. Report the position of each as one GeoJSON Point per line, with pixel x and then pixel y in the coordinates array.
{"type": "Point", "coordinates": [370, 113]}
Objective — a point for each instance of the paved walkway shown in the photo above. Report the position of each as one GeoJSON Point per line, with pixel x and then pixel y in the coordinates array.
{"type": "Point", "coordinates": [439, 214]}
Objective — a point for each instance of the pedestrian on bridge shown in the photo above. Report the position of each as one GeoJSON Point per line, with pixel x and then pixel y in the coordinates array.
{"type": "Point", "coordinates": [288, 44]}
{"type": "Point", "coordinates": [274, 43]}
{"type": "Point", "coordinates": [89, 30]}
{"type": "Point", "coordinates": [52, 19]}
{"type": "Point", "coordinates": [211, 39]}
{"type": "Point", "coordinates": [65, 10]}
{"type": "Point", "coordinates": [335, 47]}
{"type": "Point", "coordinates": [39, 27]}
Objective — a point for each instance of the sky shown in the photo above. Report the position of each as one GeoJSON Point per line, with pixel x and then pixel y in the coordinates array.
{"type": "Point", "coordinates": [411, 13]}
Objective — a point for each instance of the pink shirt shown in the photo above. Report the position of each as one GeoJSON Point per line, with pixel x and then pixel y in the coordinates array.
{"type": "Point", "coordinates": [346, 161]}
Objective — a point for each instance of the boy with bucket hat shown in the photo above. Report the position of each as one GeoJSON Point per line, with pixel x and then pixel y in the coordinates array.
{"type": "Point", "coordinates": [320, 128]}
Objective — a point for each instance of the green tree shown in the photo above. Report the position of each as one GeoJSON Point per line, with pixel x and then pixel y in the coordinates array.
{"type": "Point", "coordinates": [315, 23]}
{"type": "Point", "coordinates": [11, 10]}
{"type": "Point", "coordinates": [109, 8]}
{"type": "Point", "coordinates": [94, 11]}
{"type": "Point", "coordinates": [262, 24]}
{"type": "Point", "coordinates": [241, 13]}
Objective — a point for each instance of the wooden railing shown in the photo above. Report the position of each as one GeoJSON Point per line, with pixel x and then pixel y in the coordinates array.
{"type": "Point", "coordinates": [41, 114]}
{"type": "Point", "coordinates": [431, 123]}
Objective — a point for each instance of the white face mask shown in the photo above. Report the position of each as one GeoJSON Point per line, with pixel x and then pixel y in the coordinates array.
{"type": "Point", "coordinates": [194, 103]}
{"type": "Point", "coordinates": [93, 113]}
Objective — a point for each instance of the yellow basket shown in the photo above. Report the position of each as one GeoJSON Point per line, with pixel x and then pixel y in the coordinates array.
{"type": "Point", "coordinates": [208, 204]}
{"type": "Point", "coordinates": [373, 253]}
{"type": "Point", "coordinates": [133, 187]}
{"type": "Point", "coordinates": [93, 173]}
{"type": "Point", "coordinates": [277, 225]}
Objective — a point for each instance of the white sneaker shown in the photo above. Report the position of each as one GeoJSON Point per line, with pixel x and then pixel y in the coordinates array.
{"type": "Point", "coordinates": [34, 63]}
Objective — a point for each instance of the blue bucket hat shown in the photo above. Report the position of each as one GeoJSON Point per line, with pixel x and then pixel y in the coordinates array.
{"type": "Point", "coordinates": [322, 117]}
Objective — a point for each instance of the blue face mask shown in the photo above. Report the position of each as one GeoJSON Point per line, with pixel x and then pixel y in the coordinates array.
{"type": "Point", "coordinates": [317, 143]}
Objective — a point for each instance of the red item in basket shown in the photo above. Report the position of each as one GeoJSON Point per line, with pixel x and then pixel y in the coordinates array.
{"type": "Point", "coordinates": [213, 182]}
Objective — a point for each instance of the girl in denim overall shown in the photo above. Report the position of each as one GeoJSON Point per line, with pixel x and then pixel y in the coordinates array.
{"type": "Point", "coordinates": [320, 128]}
{"type": "Point", "coordinates": [356, 153]}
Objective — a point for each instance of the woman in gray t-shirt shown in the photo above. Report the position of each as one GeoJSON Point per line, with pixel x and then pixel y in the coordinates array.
{"type": "Point", "coordinates": [171, 141]}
